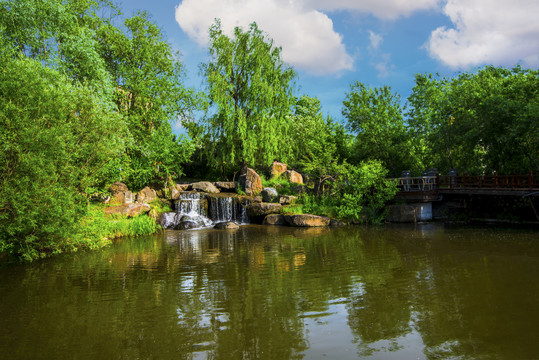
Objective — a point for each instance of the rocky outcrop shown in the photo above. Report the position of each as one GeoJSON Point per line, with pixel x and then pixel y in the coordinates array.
{"type": "Point", "coordinates": [205, 186]}
{"type": "Point", "coordinates": [183, 187]}
{"type": "Point", "coordinates": [274, 219]}
{"type": "Point", "coordinates": [269, 194]}
{"type": "Point", "coordinates": [226, 186]}
{"type": "Point", "coordinates": [277, 168]}
{"type": "Point", "coordinates": [307, 220]}
{"type": "Point", "coordinates": [131, 210]}
{"type": "Point", "coordinates": [293, 176]}
{"type": "Point", "coordinates": [250, 181]}
{"type": "Point", "coordinates": [227, 225]}
{"type": "Point", "coordinates": [263, 209]}
{"type": "Point", "coordinates": [120, 194]}
{"type": "Point", "coordinates": [146, 195]}
{"type": "Point", "coordinates": [287, 199]}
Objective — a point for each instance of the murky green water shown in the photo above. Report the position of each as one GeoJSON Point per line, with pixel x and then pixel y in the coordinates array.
{"type": "Point", "coordinates": [408, 292]}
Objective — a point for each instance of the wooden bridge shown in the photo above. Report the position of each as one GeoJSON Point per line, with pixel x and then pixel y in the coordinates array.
{"type": "Point", "coordinates": [492, 195]}
{"type": "Point", "coordinates": [430, 188]}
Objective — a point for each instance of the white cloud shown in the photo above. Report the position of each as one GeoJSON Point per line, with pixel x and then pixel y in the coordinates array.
{"type": "Point", "coordinates": [497, 32]}
{"type": "Point", "coordinates": [383, 9]}
{"type": "Point", "coordinates": [307, 36]}
{"type": "Point", "coordinates": [375, 40]}
{"type": "Point", "coordinates": [304, 31]}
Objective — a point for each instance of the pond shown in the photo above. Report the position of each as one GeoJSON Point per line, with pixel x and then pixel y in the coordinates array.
{"type": "Point", "coordinates": [394, 292]}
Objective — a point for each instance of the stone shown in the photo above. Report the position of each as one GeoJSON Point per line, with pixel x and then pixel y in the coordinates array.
{"type": "Point", "coordinates": [293, 176]}
{"type": "Point", "coordinates": [269, 194]}
{"type": "Point", "coordinates": [189, 222]}
{"type": "Point", "coordinates": [129, 197]}
{"type": "Point", "coordinates": [227, 225]}
{"type": "Point", "coordinates": [251, 182]}
{"type": "Point", "coordinates": [205, 186]}
{"type": "Point", "coordinates": [226, 186]}
{"type": "Point", "coordinates": [263, 209]}
{"type": "Point", "coordinates": [274, 219]}
{"type": "Point", "coordinates": [131, 210]}
{"type": "Point", "coordinates": [337, 223]}
{"type": "Point", "coordinates": [146, 195]}
{"type": "Point", "coordinates": [277, 168]}
{"type": "Point", "coordinates": [183, 187]}
{"type": "Point", "coordinates": [118, 187]}
{"type": "Point", "coordinates": [287, 199]}
{"type": "Point", "coordinates": [307, 220]}
{"type": "Point", "coordinates": [174, 193]}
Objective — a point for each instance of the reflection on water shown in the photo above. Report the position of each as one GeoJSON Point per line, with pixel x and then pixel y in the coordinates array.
{"type": "Point", "coordinates": [398, 292]}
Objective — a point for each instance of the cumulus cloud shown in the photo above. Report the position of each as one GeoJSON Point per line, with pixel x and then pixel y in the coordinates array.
{"type": "Point", "coordinates": [301, 27]}
{"type": "Point", "coordinates": [497, 32]}
{"type": "Point", "coordinates": [383, 9]}
{"type": "Point", "coordinates": [306, 35]}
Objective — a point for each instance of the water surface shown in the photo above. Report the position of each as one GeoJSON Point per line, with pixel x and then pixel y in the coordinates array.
{"type": "Point", "coordinates": [398, 292]}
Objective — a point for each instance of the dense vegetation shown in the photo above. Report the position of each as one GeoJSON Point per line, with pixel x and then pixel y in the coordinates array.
{"type": "Point", "coordinates": [86, 100]}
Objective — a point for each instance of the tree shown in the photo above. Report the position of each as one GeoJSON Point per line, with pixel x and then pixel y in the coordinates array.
{"type": "Point", "coordinates": [375, 117]}
{"type": "Point", "coordinates": [478, 122]}
{"type": "Point", "coordinates": [149, 93]}
{"type": "Point", "coordinates": [250, 89]}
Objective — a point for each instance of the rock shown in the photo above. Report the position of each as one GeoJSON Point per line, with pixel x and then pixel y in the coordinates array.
{"type": "Point", "coordinates": [129, 197]}
{"type": "Point", "coordinates": [337, 223]}
{"type": "Point", "coordinates": [269, 194]}
{"type": "Point", "coordinates": [118, 187]}
{"type": "Point", "coordinates": [250, 182]}
{"type": "Point", "coordinates": [183, 187]}
{"type": "Point", "coordinates": [307, 220]}
{"type": "Point", "coordinates": [293, 176]}
{"type": "Point", "coordinates": [274, 219]}
{"type": "Point", "coordinates": [226, 225]}
{"type": "Point", "coordinates": [287, 199]}
{"type": "Point", "coordinates": [146, 195]}
{"type": "Point", "coordinates": [168, 220]}
{"type": "Point", "coordinates": [277, 168]}
{"type": "Point", "coordinates": [205, 186]}
{"type": "Point", "coordinates": [226, 186]}
{"type": "Point", "coordinates": [256, 199]}
{"type": "Point", "coordinates": [174, 193]}
{"type": "Point", "coordinates": [131, 210]}
{"type": "Point", "coordinates": [263, 209]}
{"type": "Point", "coordinates": [189, 222]}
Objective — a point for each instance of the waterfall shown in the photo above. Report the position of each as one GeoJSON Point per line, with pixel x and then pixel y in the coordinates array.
{"type": "Point", "coordinates": [227, 208]}
{"type": "Point", "coordinates": [198, 210]}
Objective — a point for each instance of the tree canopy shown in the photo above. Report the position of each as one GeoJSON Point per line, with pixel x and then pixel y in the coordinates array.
{"type": "Point", "coordinates": [251, 91]}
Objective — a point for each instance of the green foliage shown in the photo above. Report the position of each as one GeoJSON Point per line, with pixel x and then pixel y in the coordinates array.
{"type": "Point", "coordinates": [250, 89]}
{"type": "Point", "coordinates": [282, 185]}
{"type": "Point", "coordinates": [358, 193]}
{"type": "Point", "coordinates": [477, 122]}
{"type": "Point", "coordinates": [375, 116]}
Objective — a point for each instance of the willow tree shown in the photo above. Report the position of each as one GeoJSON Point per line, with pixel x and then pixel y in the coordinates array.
{"type": "Point", "coordinates": [250, 89]}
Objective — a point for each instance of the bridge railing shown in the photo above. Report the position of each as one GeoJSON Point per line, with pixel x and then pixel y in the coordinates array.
{"type": "Point", "coordinates": [431, 183]}
{"type": "Point", "coordinates": [489, 182]}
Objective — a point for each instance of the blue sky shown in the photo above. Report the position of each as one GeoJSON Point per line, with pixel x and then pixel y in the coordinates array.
{"type": "Point", "coordinates": [332, 43]}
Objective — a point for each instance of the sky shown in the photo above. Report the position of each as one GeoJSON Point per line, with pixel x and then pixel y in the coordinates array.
{"type": "Point", "coordinates": [333, 43]}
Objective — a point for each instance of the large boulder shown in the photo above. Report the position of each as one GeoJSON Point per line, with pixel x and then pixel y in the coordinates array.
{"type": "Point", "coordinates": [120, 194]}
{"type": "Point", "coordinates": [269, 194]}
{"type": "Point", "coordinates": [307, 220]}
{"type": "Point", "coordinates": [277, 168]}
{"type": "Point", "coordinates": [227, 225]}
{"type": "Point", "coordinates": [131, 210]}
{"type": "Point", "coordinates": [183, 187]}
{"type": "Point", "coordinates": [274, 219]}
{"type": "Point", "coordinates": [263, 209]}
{"type": "Point", "coordinates": [250, 181]}
{"type": "Point", "coordinates": [226, 186]}
{"type": "Point", "coordinates": [205, 186]}
{"type": "Point", "coordinates": [293, 176]}
{"type": "Point", "coordinates": [146, 195]}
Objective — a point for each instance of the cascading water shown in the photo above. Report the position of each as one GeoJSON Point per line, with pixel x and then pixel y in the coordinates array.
{"type": "Point", "coordinates": [198, 210]}
{"type": "Point", "coordinates": [227, 208]}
